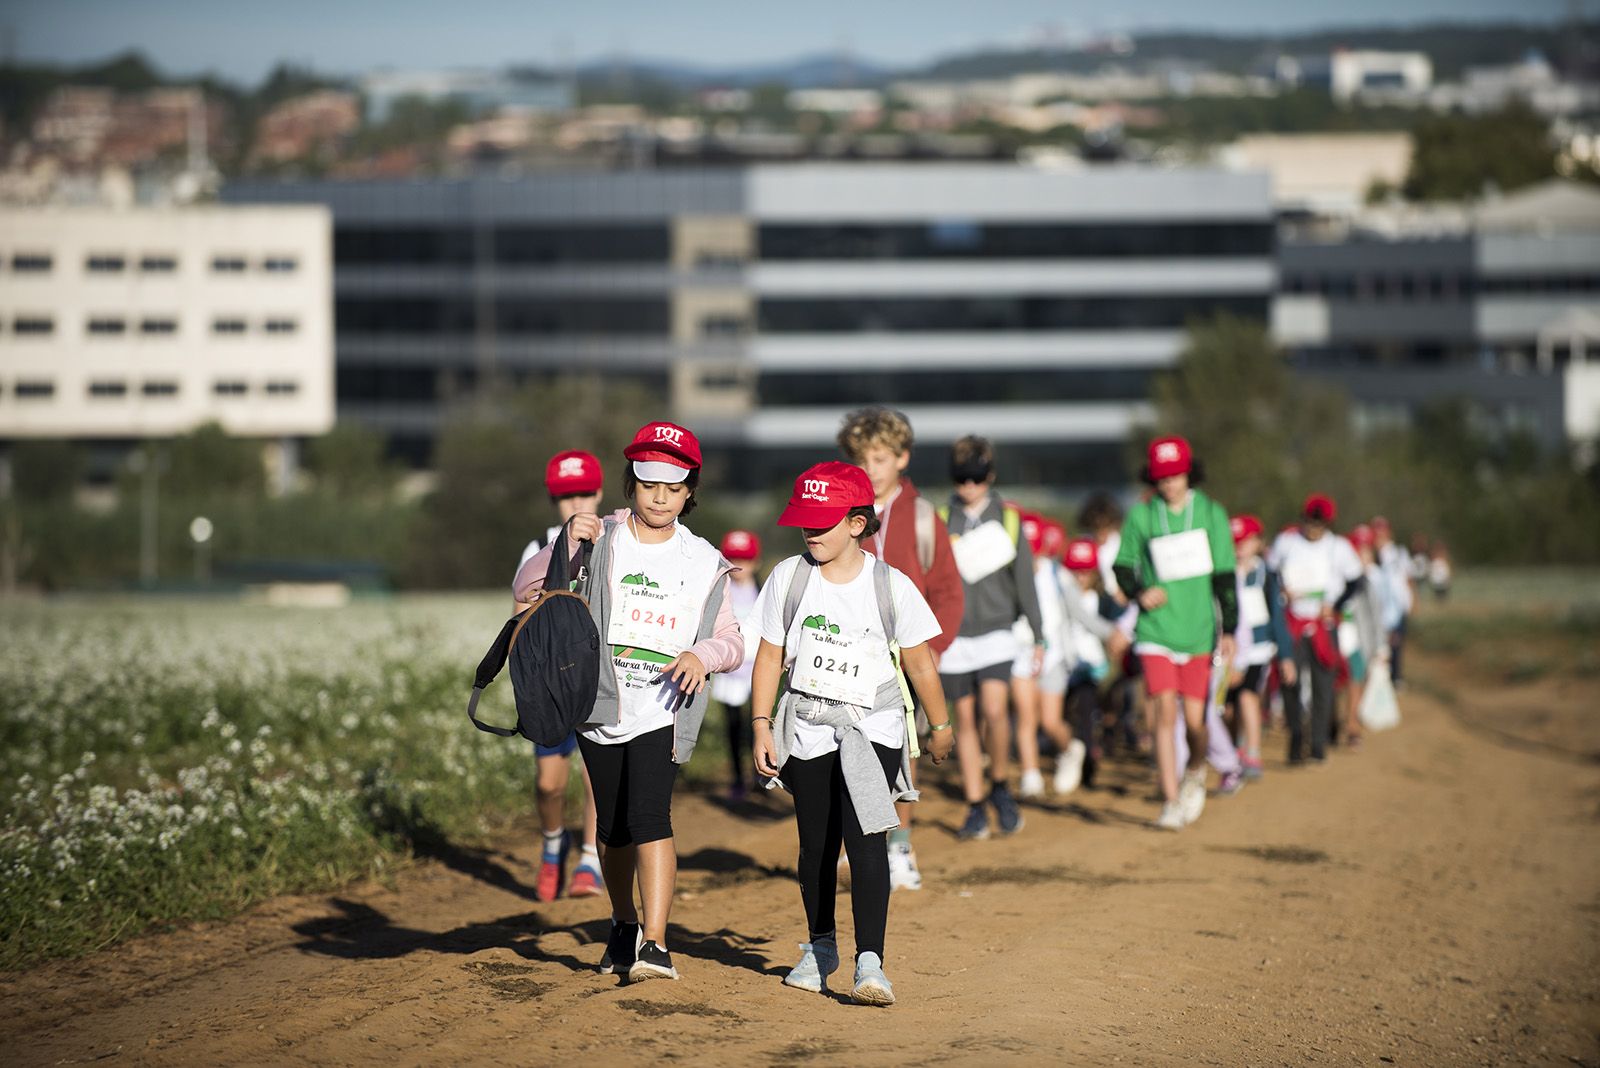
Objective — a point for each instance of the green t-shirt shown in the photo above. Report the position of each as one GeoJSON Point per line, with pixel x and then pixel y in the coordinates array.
{"type": "Point", "coordinates": [1187, 622]}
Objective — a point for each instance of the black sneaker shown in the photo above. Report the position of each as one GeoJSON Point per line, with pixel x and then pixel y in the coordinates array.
{"type": "Point", "coordinates": [621, 949]}
{"type": "Point", "coordinates": [1006, 811]}
{"type": "Point", "coordinates": [976, 828]}
{"type": "Point", "coordinates": [653, 963]}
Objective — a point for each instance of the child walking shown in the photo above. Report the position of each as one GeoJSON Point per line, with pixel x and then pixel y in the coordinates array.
{"type": "Point", "coordinates": [659, 598]}
{"type": "Point", "coordinates": [1263, 636]}
{"type": "Point", "coordinates": [842, 622]}
{"type": "Point", "coordinates": [1176, 561]}
{"type": "Point", "coordinates": [731, 689]}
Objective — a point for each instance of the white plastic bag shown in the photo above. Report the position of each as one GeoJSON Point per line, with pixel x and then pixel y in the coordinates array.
{"type": "Point", "coordinates": [1379, 709]}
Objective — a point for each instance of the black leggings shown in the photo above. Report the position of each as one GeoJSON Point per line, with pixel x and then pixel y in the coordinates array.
{"type": "Point", "coordinates": [824, 815]}
{"type": "Point", "coordinates": [632, 788]}
{"type": "Point", "coordinates": [738, 748]}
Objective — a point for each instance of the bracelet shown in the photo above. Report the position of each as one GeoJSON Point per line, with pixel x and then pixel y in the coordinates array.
{"type": "Point", "coordinates": [758, 719]}
{"type": "Point", "coordinates": [946, 725]}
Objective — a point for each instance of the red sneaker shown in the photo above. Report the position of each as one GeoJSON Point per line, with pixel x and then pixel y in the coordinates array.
{"type": "Point", "coordinates": [548, 888]}
{"type": "Point", "coordinates": [585, 883]}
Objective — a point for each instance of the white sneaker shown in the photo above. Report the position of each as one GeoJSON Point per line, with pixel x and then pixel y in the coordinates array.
{"type": "Point", "coordinates": [1032, 785]}
{"type": "Point", "coordinates": [903, 873]}
{"type": "Point", "coordinates": [1192, 795]}
{"type": "Point", "coordinates": [1069, 767]}
{"type": "Point", "coordinates": [1171, 818]}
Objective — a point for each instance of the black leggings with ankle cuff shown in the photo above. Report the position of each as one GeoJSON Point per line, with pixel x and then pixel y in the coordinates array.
{"type": "Point", "coordinates": [825, 816]}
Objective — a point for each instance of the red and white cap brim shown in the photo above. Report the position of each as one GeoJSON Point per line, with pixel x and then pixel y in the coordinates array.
{"type": "Point", "coordinates": [659, 471]}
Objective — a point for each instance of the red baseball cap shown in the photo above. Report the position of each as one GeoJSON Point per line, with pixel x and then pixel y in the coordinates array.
{"type": "Point", "coordinates": [1033, 530]}
{"type": "Point", "coordinates": [1320, 506]}
{"type": "Point", "coordinates": [663, 452]}
{"type": "Point", "coordinates": [825, 493]}
{"type": "Point", "coordinates": [741, 545]}
{"type": "Point", "coordinates": [1082, 555]}
{"type": "Point", "coordinates": [1361, 534]}
{"type": "Point", "coordinates": [1170, 456]}
{"type": "Point", "coordinates": [573, 472]}
{"type": "Point", "coordinates": [1242, 526]}
{"type": "Point", "coordinates": [1055, 538]}
{"type": "Point", "coordinates": [1380, 523]}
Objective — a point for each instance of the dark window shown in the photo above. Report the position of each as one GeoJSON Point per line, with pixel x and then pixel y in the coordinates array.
{"type": "Point", "coordinates": [905, 314]}
{"type": "Point", "coordinates": [279, 264]}
{"type": "Point", "coordinates": [33, 324]}
{"type": "Point", "coordinates": [160, 389]}
{"type": "Point", "coordinates": [31, 262]}
{"type": "Point", "coordinates": [229, 388]}
{"type": "Point", "coordinates": [107, 325]}
{"type": "Point", "coordinates": [105, 263]}
{"type": "Point", "coordinates": [228, 264]}
{"type": "Point", "coordinates": [520, 245]}
{"type": "Point", "coordinates": [282, 388]}
{"type": "Point", "coordinates": [227, 326]}
{"type": "Point", "coordinates": [964, 239]}
{"type": "Point", "coordinates": [724, 326]}
{"type": "Point", "coordinates": [280, 326]}
{"type": "Point", "coordinates": [158, 264]}
{"type": "Point", "coordinates": [1031, 385]}
{"type": "Point", "coordinates": [159, 326]}
{"type": "Point", "coordinates": [394, 384]}
{"type": "Point", "coordinates": [539, 317]}
{"type": "Point", "coordinates": [108, 389]}
{"type": "Point", "coordinates": [356, 245]}
{"type": "Point", "coordinates": [34, 389]}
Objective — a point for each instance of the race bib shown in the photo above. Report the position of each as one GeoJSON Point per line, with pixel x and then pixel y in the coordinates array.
{"type": "Point", "coordinates": [1349, 639]}
{"type": "Point", "coordinates": [647, 617]}
{"type": "Point", "coordinates": [1253, 607]}
{"type": "Point", "coordinates": [829, 666]}
{"type": "Point", "coordinates": [1306, 575]}
{"type": "Point", "coordinates": [1181, 556]}
{"type": "Point", "coordinates": [982, 551]}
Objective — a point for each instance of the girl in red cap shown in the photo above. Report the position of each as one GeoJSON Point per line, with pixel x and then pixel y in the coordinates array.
{"type": "Point", "coordinates": [573, 480]}
{"type": "Point", "coordinates": [731, 689]}
{"type": "Point", "coordinates": [1176, 561]}
{"type": "Point", "coordinates": [659, 597]}
{"type": "Point", "coordinates": [843, 623]}
{"type": "Point", "coordinates": [1320, 573]}
{"type": "Point", "coordinates": [1263, 636]}
{"type": "Point", "coordinates": [1090, 616]}
{"type": "Point", "coordinates": [1361, 638]}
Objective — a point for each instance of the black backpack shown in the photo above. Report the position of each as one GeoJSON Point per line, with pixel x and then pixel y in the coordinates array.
{"type": "Point", "coordinates": [554, 649]}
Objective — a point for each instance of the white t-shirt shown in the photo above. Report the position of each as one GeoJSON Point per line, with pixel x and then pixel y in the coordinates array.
{"type": "Point", "coordinates": [732, 688]}
{"type": "Point", "coordinates": [684, 563]}
{"type": "Point", "coordinates": [853, 609]}
{"type": "Point", "coordinates": [1049, 584]}
{"type": "Point", "coordinates": [1396, 567]}
{"type": "Point", "coordinates": [1106, 559]}
{"type": "Point", "coordinates": [1314, 573]}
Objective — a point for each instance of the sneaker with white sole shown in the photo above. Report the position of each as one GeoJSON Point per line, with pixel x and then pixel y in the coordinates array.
{"type": "Point", "coordinates": [1192, 795]}
{"type": "Point", "coordinates": [903, 873]}
{"type": "Point", "coordinates": [819, 959]}
{"type": "Point", "coordinates": [1006, 813]}
{"type": "Point", "coordinates": [1171, 818]}
{"type": "Point", "coordinates": [871, 985]}
{"type": "Point", "coordinates": [1069, 767]}
{"type": "Point", "coordinates": [622, 948]}
{"type": "Point", "coordinates": [653, 962]}
{"type": "Point", "coordinates": [1032, 786]}
{"type": "Point", "coordinates": [1231, 783]}
{"type": "Point", "coordinates": [976, 828]}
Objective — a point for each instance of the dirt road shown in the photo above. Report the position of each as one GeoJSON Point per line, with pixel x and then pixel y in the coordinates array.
{"type": "Point", "coordinates": [1434, 899]}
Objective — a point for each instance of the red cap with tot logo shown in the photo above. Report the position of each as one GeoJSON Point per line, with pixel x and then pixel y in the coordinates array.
{"type": "Point", "coordinates": [1055, 539]}
{"type": "Point", "coordinates": [572, 472]}
{"type": "Point", "coordinates": [1082, 555]}
{"type": "Point", "coordinates": [1170, 456]}
{"type": "Point", "coordinates": [663, 452]}
{"type": "Point", "coordinates": [741, 545]}
{"type": "Point", "coordinates": [825, 494]}
{"type": "Point", "coordinates": [1242, 526]}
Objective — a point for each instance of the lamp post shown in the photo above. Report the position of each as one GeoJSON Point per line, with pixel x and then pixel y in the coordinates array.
{"type": "Point", "coordinates": [147, 463]}
{"type": "Point", "coordinates": [200, 531]}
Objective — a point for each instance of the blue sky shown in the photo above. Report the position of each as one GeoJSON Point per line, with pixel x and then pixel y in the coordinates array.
{"type": "Point", "coordinates": [242, 40]}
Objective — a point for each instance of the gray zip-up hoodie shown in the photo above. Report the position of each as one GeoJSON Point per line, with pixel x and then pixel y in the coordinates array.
{"type": "Point", "coordinates": [997, 601]}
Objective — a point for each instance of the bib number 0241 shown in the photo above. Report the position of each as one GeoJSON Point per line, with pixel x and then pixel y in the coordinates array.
{"type": "Point", "coordinates": [830, 664]}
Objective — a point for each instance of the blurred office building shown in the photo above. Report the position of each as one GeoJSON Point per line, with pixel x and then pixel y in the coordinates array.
{"type": "Point", "coordinates": [1027, 305]}
{"type": "Point", "coordinates": [120, 325]}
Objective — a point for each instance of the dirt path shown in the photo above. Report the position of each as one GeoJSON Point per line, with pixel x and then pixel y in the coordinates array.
{"type": "Point", "coordinates": [1434, 899]}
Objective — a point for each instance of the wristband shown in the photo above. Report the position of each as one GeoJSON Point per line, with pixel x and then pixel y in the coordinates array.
{"type": "Point", "coordinates": [946, 725]}
{"type": "Point", "coordinates": [758, 719]}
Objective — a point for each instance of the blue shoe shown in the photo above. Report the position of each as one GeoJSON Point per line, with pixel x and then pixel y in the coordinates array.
{"type": "Point", "coordinates": [1005, 809]}
{"type": "Point", "coordinates": [819, 959]}
{"type": "Point", "coordinates": [976, 829]}
{"type": "Point", "coordinates": [872, 986]}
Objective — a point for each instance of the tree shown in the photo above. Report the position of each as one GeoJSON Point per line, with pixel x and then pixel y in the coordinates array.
{"type": "Point", "coordinates": [1458, 157]}
{"type": "Point", "coordinates": [490, 461]}
{"type": "Point", "coordinates": [45, 471]}
{"type": "Point", "coordinates": [208, 462]}
{"type": "Point", "coordinates": [349, 462]}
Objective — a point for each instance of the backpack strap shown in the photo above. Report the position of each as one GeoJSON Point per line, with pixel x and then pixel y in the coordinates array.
{"type": "Point", "coordinates": [924, 518]}
{"type": "Point", "coordinates": [885, 599]}
{"type": "Point", "coordinates": [1012, 519]}
{"type": "Point", "coordinates": [943, 511]}
{"type": "Point", "coordinates": [798, 581]}
{"type": "Point", "coordinates": [489, 669]}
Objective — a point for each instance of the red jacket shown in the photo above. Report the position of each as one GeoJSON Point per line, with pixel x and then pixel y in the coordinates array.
{"type": "Point", "coordinates": [941, 584]}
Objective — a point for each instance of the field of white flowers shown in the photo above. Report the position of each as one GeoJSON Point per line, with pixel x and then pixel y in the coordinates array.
{"type": "Point", "coordinates": [163, 761]}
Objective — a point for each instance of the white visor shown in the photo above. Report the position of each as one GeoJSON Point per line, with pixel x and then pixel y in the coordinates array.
{"type": "Point", "coordinates": [658, 471]}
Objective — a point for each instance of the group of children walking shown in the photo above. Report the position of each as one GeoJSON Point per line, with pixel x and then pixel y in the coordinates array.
{"type": "Point", "coordinates": [897, 626]}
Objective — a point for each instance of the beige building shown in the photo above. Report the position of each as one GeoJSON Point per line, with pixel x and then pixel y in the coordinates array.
{"type": "Point", "coordinates": [147, 323]}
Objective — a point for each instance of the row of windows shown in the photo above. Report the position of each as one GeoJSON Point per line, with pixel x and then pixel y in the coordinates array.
{"type": "Point", "coordinates": [458, 315]}
{"type": "Point", "coordinates": [509, 245]}
{"type": "Point", "coordinates": [969, 239]}
{"type": "Point", "coordinates": [401, 384]}
{"type": "Point", "coordinates": [1436, 285]}
{"type": "Point", "coordinates": [151, 263]}
{"type": "Point", "coordinates": [980, 314]}
{"type": "Point", "coordinates": [114, 389]}
{"type": "Point", "coordinates": [956, 387]}
{"type": "Point", "coordinates": [155, 325]}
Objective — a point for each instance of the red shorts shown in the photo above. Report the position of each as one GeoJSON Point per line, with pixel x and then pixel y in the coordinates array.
{"type": "Point", "coordinates": [1161, 675]}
